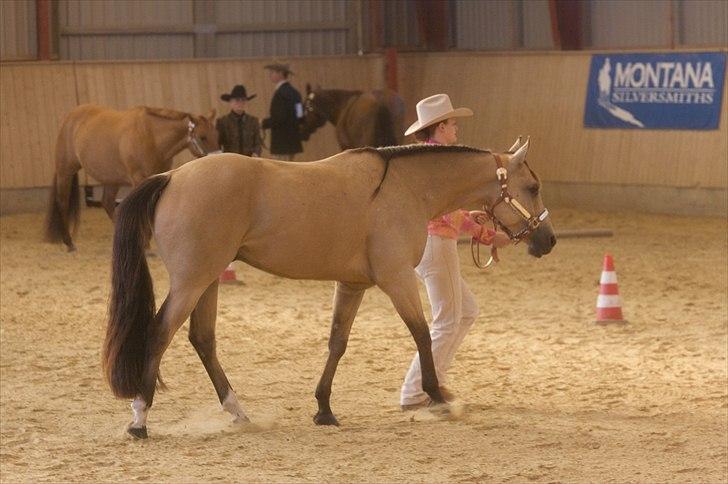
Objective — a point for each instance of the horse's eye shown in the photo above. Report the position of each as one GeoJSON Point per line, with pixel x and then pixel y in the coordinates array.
{"type": "Point", "coordinates": [204, 138]}
{"type": "Point", "coordinates": [534, 189]}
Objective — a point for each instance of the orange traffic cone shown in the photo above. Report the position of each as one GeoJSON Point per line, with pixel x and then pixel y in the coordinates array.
{"type": "Point", "coordinates": [228, 275]}
{"type": "Point", "coordinates": [609, 306]}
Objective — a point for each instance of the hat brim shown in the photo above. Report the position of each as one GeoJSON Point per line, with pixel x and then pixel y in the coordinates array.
{"type": "Point", "coordinates": [228, 97]}
{"type": "Point", "coordinates": [274, 67]}
{"type": "Point", "coordinates": [455, 113]}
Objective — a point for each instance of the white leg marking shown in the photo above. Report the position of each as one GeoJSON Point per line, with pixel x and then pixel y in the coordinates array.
{"type": "Point", "coordinates": [139, 408]}
{"type": "Point", "coordinates": [232, 406]}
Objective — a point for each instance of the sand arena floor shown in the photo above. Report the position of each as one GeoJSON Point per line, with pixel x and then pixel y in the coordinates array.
{"type": "Point", "coordinates": [546, 396]}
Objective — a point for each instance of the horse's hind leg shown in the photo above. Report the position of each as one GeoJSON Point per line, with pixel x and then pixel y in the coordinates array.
{"type": "Point", "coordinates": [174, 312]}
{"type": "Point", "coordinates": [108, 199]}
{"type": "Point", "coordinates": [346, 304]}
{"type": "Point", "coordinates": [202, 337]}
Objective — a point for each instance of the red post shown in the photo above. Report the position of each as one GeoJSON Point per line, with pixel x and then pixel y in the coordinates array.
{"type": "Point", "coordinates": [43, 27]}
{"type": "Point", "coordinates": [566, 23]}
{"type": "Point", "coordinates": [390, 54]}
{"type": "Point", "coordinates": [432, 16]}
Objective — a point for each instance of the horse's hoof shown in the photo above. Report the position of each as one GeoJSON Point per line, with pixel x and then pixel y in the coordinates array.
{"type": "Point", "coordinates": [241, 420]}
{"type": "Point", "coordinates": [138, 433]}
{"type": "Point", "coordinates": [325, 419]}
{"type": "Point", "coordinates": [72, 248]}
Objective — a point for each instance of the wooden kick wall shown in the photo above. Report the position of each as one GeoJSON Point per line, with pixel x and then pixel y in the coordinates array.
{"type": "Point", "coordinates": [35, 97]}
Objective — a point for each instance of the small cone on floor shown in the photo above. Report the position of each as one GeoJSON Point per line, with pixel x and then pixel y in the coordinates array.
{"type": "Point", "coordinates": [609, 305]}
{"type": "Point", "coordinates": [228, 275]}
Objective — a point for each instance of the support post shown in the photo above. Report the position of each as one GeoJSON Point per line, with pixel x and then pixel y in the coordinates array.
{"type": "Point", "coordinates": [43, 28]}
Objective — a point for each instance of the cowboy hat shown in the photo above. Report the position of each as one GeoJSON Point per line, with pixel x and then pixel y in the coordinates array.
{"type": "Point", "coordinates": [277, 66]}
{"type": "Point", "coordinates": [238, 92]}
{"type": "Point", "coordinates": [434, 109]}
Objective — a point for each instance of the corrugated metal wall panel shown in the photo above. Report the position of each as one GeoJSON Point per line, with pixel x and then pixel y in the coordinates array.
{"type": "Point", "coordinates": [124, 13]}
{"type": "Point", "coordinates": [271, 44]}
{"type": "Point", "coordinates": [629, 24]}
{"type": "Point", "coordinates": [93, 47]}
{"type": "Point", "coordinates": [17, 30]}
{"type": "Point", "coordinates": [330, 37]}
{"type": "Point", "coordinates": [487, 25]}
{"type": "Point", "coordinates": [537, 25]}
{"type": "Point", "coordinates": [703, 23]}
{"type": "Point", "coordinates": [250, 12]}
{"type": "Point", "coordinates": [78, 15]}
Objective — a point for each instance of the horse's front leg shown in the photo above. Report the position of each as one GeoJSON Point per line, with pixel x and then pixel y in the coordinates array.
{"type": "Point", "coordinates": [402, 290]}
{"type": "Point", "coordinates": [346, 304]}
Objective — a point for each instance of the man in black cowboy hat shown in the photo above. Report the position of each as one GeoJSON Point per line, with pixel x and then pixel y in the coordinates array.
{"type": "Point", "coordinates": [286, 112]}
{"type": "Point", "coordinates": [239, 132]}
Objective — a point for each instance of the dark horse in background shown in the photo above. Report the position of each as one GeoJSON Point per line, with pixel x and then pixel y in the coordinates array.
{"type": "Point", "coordinates": [361, 119]}
{"type": "Point", "coordinates": [118, 148]}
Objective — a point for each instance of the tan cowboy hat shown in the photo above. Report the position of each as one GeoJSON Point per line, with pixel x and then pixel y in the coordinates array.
{"type": "Point", "coordinates": [434, 109]}
{"type": "Point", "coordinates": [280, 67]}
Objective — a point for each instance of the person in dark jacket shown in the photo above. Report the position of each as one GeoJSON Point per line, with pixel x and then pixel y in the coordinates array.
{"type": "Point", "coordinates": [286, 112]}
{"type": "Point", "coordinates": [239, 132]}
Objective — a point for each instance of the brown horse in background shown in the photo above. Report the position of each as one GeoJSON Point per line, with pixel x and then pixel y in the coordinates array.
{"type": "Point", "coordinates": [361, 118]}
{"type": "Point", "coordinates": [118, 148]}
{"type": "Point", "coordinates": [357, 218]}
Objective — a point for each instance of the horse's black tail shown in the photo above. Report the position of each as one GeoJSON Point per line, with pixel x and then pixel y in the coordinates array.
{"type": "Point", "coordinates": [131, 306]}
{"type": "Point", "coordinates": [61, 223]}
{"type": "Point", "coordinates": [384, 134]}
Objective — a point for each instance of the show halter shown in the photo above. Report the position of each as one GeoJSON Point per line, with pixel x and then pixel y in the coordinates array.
{"type": "Point", "coordinates": [194, 143]}
{"type": "Point", "coordinates": [532, 222]}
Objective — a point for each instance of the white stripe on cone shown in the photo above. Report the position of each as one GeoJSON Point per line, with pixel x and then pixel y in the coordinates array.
{"type": "Point", "coordinates": [608, 301]}
{"type": "Point", "coordinates": [608, 277]}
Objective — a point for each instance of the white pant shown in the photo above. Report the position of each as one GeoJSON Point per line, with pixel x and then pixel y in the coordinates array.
{"type": "Point", "coordinates": [454, 310]}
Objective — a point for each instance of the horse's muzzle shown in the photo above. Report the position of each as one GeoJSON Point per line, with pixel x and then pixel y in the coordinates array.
{"type": "Point", "coordinates": [541, 241]}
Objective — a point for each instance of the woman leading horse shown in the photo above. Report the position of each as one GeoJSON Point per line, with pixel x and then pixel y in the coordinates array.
{"type": "Point", "coordinates": [357, 218]}
{"type": "Point", "coordinates": [118, 148]}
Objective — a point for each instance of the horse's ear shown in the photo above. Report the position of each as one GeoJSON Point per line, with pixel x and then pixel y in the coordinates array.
{"type": "Point", "coordinates": [519, 156]}
{"type": "Point", "coordinates": [516, 145]}
{"type": "Point", "coordinates": [211, 116]}
{"type": "Point", "coordinates": [308, 89]}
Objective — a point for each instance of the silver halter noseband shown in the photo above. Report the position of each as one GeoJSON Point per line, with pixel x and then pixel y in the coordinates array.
{"type": "Point", "coordinates": [193, 142]}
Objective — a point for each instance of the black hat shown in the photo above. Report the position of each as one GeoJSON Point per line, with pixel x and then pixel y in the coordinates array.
{"type": "Point", "coordinates": [238, 92]}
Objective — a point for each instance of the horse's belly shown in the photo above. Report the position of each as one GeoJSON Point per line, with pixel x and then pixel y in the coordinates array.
{"type": "Point", "coordinates": [302, 261]}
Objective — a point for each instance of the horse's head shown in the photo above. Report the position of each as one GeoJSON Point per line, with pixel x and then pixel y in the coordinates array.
{"type": "Point", "coordinates": [518, 208]}
{"type": "Point", "coordinates": [314, 117]}
{"type": "Point", "coordinates": [202, 136]}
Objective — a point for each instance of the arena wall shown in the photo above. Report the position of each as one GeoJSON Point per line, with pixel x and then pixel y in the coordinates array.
{"type": "Point", "coordinates": [539, 94]}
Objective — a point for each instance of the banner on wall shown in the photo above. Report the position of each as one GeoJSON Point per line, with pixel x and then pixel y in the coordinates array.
{"type": "Point", "coordinates": [655, 91]}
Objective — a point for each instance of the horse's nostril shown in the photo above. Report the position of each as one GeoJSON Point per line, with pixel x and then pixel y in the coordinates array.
{"type": "Point", "coordinates": [553, 240]}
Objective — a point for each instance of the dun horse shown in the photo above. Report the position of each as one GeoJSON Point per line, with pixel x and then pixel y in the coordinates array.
{"type": "Point", "coordinates": [358, 218]}
{"type": "Point", "coordinates": [361, 119]}
{"type": "Point", "coordinates": [118, 148]}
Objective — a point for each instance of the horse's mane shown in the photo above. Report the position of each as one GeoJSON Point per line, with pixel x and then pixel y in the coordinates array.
{"type": "Point", "coordinates": [166, 113]}
{"type": "Point", "coordinates": [389, 152]}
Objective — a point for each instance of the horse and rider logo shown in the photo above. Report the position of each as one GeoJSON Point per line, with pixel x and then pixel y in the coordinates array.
{"type": "Point", "coordinates": [605, 84]}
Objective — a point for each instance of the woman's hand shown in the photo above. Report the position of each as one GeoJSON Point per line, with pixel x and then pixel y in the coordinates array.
{"type": "Point", "coordinates": [479, 216]}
